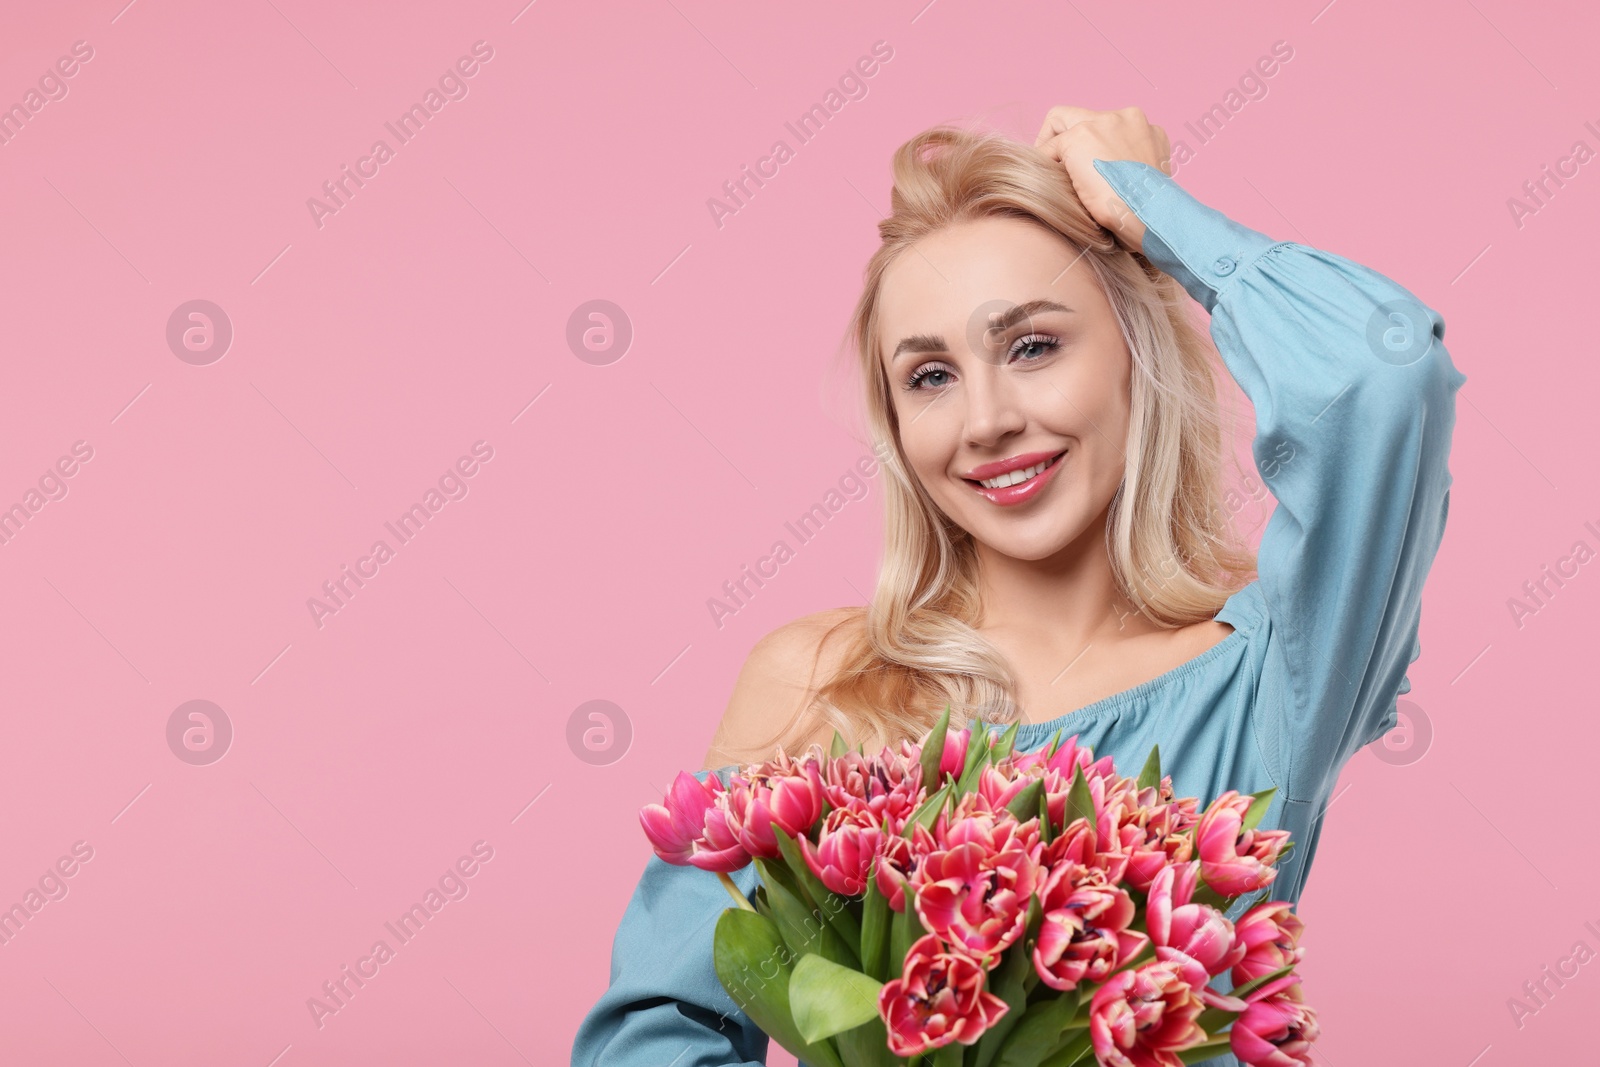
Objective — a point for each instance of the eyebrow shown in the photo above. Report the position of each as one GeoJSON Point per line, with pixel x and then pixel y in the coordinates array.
{"type": "Point", "coordinates": [929, 342]}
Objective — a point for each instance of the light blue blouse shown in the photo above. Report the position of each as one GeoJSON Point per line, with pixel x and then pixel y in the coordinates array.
{"type": "Point", "coordinates": [1354, 396]}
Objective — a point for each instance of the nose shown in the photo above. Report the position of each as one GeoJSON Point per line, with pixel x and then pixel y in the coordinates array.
{"type": "Point", "coordinates": [994, 406]}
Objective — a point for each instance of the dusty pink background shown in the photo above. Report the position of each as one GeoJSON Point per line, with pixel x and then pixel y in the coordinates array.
{"type": "Point", "coordinates": [369, 353]}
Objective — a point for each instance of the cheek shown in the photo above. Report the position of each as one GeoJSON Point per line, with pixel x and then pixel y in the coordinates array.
{"type": "Point", "coordinates": [929, 436]}
{"type": "Point", "coordinates": [922, 451]}
{"type": "Point", "coordinates": [1097, 385]}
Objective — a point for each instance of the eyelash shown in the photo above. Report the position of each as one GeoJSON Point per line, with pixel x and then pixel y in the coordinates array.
{"type": "Point", "coordinates": [1050, 345]}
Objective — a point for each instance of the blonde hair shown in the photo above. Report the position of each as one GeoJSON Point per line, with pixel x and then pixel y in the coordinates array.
{"type": "Point", "coordinates": [1173, 549]}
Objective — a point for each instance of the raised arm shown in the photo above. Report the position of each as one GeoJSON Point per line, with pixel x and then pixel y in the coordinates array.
{"type": "Point", "coordinates": [1354, 397]}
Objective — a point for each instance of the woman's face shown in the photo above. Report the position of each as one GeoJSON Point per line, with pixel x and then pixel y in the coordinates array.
{"type": "Point", "coordinates": [1051, 387]}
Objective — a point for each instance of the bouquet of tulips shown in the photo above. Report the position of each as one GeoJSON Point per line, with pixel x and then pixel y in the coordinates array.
{"type": "Point", "coordinates": [953, 903]}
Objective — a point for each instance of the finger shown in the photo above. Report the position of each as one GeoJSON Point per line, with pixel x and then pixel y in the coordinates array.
{"type": "Point", "coordinates": [1060, 119]}
{"type": "Point", "coordinates": [1056, 147]}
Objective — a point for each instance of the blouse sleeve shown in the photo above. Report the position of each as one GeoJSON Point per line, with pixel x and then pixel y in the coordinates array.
{"type": "Point", "coordinates": [1354, 397]}
{"type": "Point", "coordinates": [665, 1004]}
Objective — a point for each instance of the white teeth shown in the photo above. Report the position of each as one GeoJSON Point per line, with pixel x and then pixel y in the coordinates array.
{"type": "Point", "coordinates": [1015, 476]}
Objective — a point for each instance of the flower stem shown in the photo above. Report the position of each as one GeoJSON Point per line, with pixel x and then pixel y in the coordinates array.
{"type": "Point", "coordinates": [1077, 1048]}
{"type": "Point", "coordinates": [733, 891]}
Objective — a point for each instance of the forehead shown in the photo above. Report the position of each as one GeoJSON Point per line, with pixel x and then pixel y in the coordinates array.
{"type": "Point", "coordinates": [936, 285]}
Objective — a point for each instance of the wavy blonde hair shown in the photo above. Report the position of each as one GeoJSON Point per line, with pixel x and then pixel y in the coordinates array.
{"type": "Point", "coordinates": [1173, 548]}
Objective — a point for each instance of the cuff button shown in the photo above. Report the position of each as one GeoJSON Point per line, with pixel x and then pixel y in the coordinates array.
{"type": "Point", "coordinates": [1223, 266]}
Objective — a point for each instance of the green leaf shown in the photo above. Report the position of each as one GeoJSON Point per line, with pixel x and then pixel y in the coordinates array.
{"type": "Point", "coordinates": [1007, 742]}
{"type": "Point", "coordinates": [1150, 777]}
{"type": "Point", "coordinates": [1025, 805]}
{"type": "Point", "coordinates": [1039, 1031]}
{"type": "Point", "coordinates": [867, 1046]}
{"type": "Point", "coordinates": [1080, 802]}
{"type": "Point", "coordinates": [977, 745]}
{"type": "Point", "coordinates": [1258, 807]}
{"type": "Point", "coordinates": [875, 915]}
{"type": "Point", "coordinates": [838, 747]}
{"type": "Point", "coordinates": [933, 750]}
{"type": "Point", "coordinates": [947, 1055]}
{"type": "Point", "coordinates": [904, 929]}
{"type": "Point", "coordinates": [1030, 938]}
{"type": "Point", "coordinates": [925, 814]}
{"type": "Point", "coordinates": [1047, 831]}
{"type": "Point", "coordinates": [803, 929]}
{"type": "Point", "coordinates": [1212, 1020]}
{"type": "Point", "coordinates": [1205, 894]}
{"type": "Point", "coordinates": [1075, 1050]}
{"type": "Point", "coordinates": [980, 750]}
{"type": "Point", "coordinates": [1256, 983]}
{"type": "Point", "coordinates": [1206, 1050]}
{"type": "Point", "coordinates": [753, 965]}
{"type": "Point", "coordinates": [828, 999]}
{"type": "Point", "coordinates": [1055, 740]}
{"type": "Point", "coordinates": [834, 908]}
{"type": "Point", "coordinates": [1008, 981]}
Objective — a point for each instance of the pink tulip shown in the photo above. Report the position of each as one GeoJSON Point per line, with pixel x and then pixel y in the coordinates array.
{"type": "Point", "coordinates": [1233, 860]}
{"type": "Point", "coordinates": [939, 998]}
{"type": "Point", "coordinates": [973, 889]}
{"type": "Point", "coordinates": [1186, 814]}
{"type": "Point", "coordinates": [1080, 843]}
{"type": "Point", "coordinates": [1163, 838]}
{"type": "Point", "coordinates": [846, 846]}
{"type": "Point", "coordinates": [1277, 1029]}
{"type": "Point", "coordinates": [692, 827]}
{"type": "Point", "coordinates": [779, 793]}
{"type": "Point", "coordinates": [885, 786]}
{"type": "Point", "coordinates": [1120, 792]}
{"type": "Point", "coordinates": [897, 860]}
{"type": "Point", "coordinates": [997, 788]}
{"type": "Point", "coordinates": [1269, 935]}
{"type": "Point", "coordinates": [846, 777]}
{"type": "Point", "coordinates": [954, 756]}
{"type": "Point", "coordinates": [1155, 795]}
{"type": "Point", "coordinates": [1084, 933]}
{"type": "Point", "coordinates": [1066, 756]}
{"type": "Point", "coordinates": [1144, 1017]}
{"type": "Point", "coordinates": [1104, 790]}
{"type": "Point", "coordinates": [1177, 924]}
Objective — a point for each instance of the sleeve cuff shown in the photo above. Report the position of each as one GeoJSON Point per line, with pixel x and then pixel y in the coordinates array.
{"type": "Point", "coordinates": [1199, 246]}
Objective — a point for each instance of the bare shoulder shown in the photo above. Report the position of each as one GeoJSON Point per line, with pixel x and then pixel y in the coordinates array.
{"type": "Point", "coordinates": [780, 677]}
{"type": "Point", "coordinates": [1199, 636]}
{"type": "Point", "coordinates": [1165, 649]}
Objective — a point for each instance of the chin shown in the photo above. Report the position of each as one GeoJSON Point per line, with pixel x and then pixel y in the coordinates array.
{"type": "Point", "coordinates": [1042, 538]}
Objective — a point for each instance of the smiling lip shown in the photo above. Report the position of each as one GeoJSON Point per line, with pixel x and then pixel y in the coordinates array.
{"type": "Point", "coordinates": [1006, 466]}
{"type": "Point", "coordinates": [1021, 491]}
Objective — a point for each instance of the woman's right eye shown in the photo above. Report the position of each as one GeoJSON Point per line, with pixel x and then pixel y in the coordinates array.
{"type": "Point", "coordinates": [928, 372]}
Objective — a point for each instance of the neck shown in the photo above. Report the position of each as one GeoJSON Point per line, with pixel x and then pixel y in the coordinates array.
{"type": "Point", "coordinates": [1071, 596]}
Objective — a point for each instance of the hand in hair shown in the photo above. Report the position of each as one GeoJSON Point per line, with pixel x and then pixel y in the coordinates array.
{"type": "Point", "coordinates": [1076, 136]}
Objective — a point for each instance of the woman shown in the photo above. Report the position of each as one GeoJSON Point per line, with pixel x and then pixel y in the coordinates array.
{"type": "Point", "coordinates": [1058, 550]}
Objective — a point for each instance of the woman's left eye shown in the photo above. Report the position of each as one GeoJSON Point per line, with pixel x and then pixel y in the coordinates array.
{"type": "Point", "coordinates": [1042, 341]}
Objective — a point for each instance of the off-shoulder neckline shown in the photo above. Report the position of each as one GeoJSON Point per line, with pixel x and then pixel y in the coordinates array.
{"type": "Point", "coordinates": [1243, 611]}
{"type": "Point", "coordinates": [1239, 611]}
